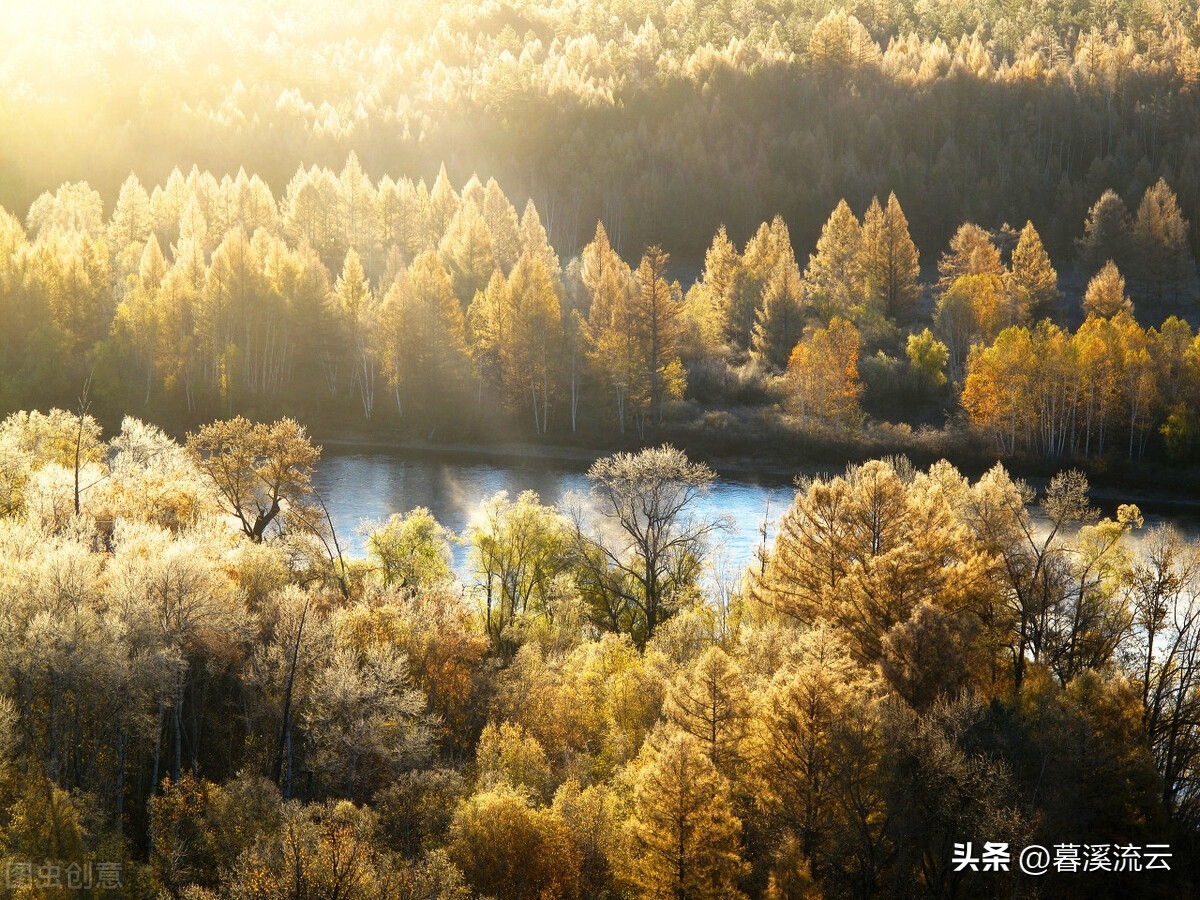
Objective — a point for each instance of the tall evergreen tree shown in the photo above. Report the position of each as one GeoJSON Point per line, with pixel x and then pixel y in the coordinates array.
{"type": "Point", "coordinates": [355, 302]}
{"type": "Point", "coordinates": [972, 252]}
{"type": "Point", "coordinates": [442, 204]}
{"type": "Point", "coordinates": [779, 321]}
{"type": "Point", "coordinates": [356, 209]}
{"type": "Point", "coordinates": [686, 836]}
{"type": "Point", "coordinates": [834, 277]}
{"type": "Point", "coordinates": [132, 220]}
{"type": "Point", "coordinates": [424, 340]}
{"type": "Point", "coordinates": [1105, 295]}
{"type": "Point", "coordinates": [1032, 281]}
{"type": "Point", "coordinates": [712, 295]}
{"type": "Point", "coordinates": [1105, 235]}
{"type": "Point", "coordinates": [529, 359]}
{"type": "Point", "coordinates": [503, 224]}
{"type": "Point", "coordinates": [770, 247]}
{"type": "Point", "coordinates": [891, 267]}
{"type": "Point", "coordinates": [656, 312]}
{"type": "Point", "coordinates": [466, 251]}
{"type": "Point", "coordinates": [612, 325]}
{"type": "Point", "coordinates": [1164, 265]}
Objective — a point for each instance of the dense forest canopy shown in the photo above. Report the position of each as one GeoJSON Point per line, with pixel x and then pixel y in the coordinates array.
{"type": "Point", "coordinates": [662, 120]}
{"type": "Point", "coordinates": [223, 710]}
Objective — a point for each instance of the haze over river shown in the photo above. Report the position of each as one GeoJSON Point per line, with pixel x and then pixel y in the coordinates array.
{"type": "Point", "coordinates": [364, 487]}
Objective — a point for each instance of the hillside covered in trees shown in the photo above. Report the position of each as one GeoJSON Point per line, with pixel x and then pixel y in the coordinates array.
{"type": "Point", "coordinates": [199, 694]}
{"type": "Point", "coordinates": [315, 224]}
{"type": "Point", "coordinates": [661, 119]}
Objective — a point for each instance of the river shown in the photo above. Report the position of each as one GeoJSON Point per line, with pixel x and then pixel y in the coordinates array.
{"type": "Point", "coordinates": [360, 488]}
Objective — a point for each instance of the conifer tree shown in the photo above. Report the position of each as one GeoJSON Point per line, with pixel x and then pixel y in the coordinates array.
{"type": "Point", "coordinates": [529, 358]}
{"type": "Point", "coordinates": [1105, 295]}
{"type": "Point", "coordinates": [1105, 235]}
{"type": "Point", "coordinates": [834, 277]}
{"type": "Point", "coordinates": [612, 324]}
{"type": "Point", "coordinates": [356, 208]}
{"type": "Point", "coordinates": [656, 314]}
{"type": "Point", "coordinates": [487, 329]}
{"type": "Point", "coordinates": [971, 253]}
{"type": "Point", "coordinates": [1164, 262]}
{"type": "Point", "coordinates": [355, 303]}
{"type": "Point", "coordinates": [132, 220]}
{"type": "Point", "coordinates": [535, 241]}
{"type": "Point", "coordinates": [74, 207]}
{"type": "Point", "coordinates": [709, 702]}
{"type": "Point", "coordinates": [686, 836]}
{"type": "Point", "coordinates": [466, 250]}
{"type": "Point", "coordinates": [770, 248]}
{"type": "Point", "coordinates": [442, 204]}
{"type": "Point", "coordinates": [891, 266]}
{"type": "Point", "coordinates": [423, 338]}
{"type": "Point", "coordinates": [401, 218]}
{"type": "Point", "coordinates": [504, 226]}
{"type": "Point", "coordinates": [779, 321]}
{"type": "Point", "coordinates": [1032, 281]}
{"type": "Point", "coordinates": [712, 295]}
{"type": "Point", "coordinates": [310, 214]}
{"type": "Point", "coordinates": [840, 42]}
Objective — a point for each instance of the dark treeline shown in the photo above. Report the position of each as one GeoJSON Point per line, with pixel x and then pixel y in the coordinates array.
{"type": "Point", "coordinates": [662, 120]}
{"type": "Point", "coordinates": [201, 696]}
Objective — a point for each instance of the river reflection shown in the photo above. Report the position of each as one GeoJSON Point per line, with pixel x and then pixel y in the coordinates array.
{"type": "Point", "coordinates": [368, 487]}
{"type": "Point", "coordinates": [362, 488]}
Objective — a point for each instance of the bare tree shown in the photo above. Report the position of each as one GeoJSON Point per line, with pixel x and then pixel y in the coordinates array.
{"type": "Point", "coordinates": [643, 537]}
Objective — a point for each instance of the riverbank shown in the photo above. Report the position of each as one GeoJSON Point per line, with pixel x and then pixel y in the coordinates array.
{"type": "Point", "coordinates": [1148, 484]}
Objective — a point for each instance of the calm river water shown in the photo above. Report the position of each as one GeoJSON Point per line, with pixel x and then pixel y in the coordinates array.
{"type": "Point", "coordinates": [368, 487]}
{"type": "Point", "coordinates": [360, 488]}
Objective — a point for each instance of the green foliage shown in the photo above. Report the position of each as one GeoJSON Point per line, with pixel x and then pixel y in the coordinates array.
{"type": "Point", "coordinates": [519, 555]}
{"type": "Point", "coordinates": [412, 551]}
{"type": "Point", "coordinates": [779, 322]}
{"type": "Point", "coordinates": [927, 359]}
{"type": "Point", "coordinates": [1181, 432]}
{"type": "Point", "coordinates": [1165, 264]}
{"type": "Point", "coordinates": [1105, 234]}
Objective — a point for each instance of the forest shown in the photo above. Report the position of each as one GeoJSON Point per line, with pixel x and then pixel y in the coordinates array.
{"type": "Point", "coordinates": [399, 306]}
{"type": "Point", "coordinates": [265, 209]}
{"type": "Point", "coordinates": [661, 119]}
{"type": "Point", "coordinates": [199, 692]}
{"type": "Point", "coordinates": [951, 243]}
